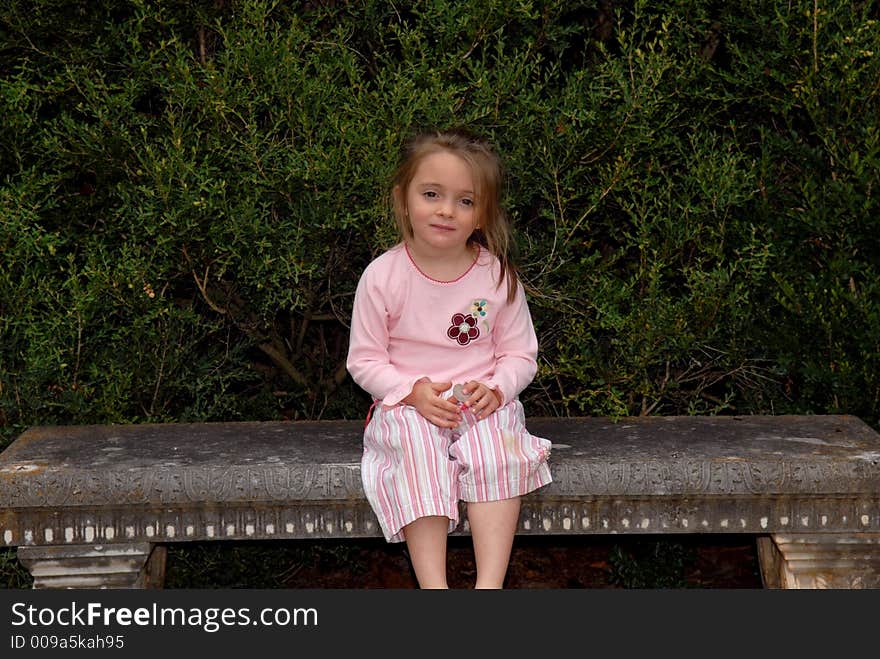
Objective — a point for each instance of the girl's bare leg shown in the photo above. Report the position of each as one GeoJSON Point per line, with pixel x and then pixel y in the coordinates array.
{"type": "Point", "coordinates": [426, 542]}
{"type": "Point", "coordinates": [493, 525]}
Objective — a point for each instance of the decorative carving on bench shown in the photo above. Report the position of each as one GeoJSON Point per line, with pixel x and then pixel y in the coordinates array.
{"type": "Point", "coordinates": [707, 476]}
{"type": "Point", "coordinates": [335, 482]}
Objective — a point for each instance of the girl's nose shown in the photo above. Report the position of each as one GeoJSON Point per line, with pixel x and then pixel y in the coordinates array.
{"type": "Point", "coordinates": [445, 209]}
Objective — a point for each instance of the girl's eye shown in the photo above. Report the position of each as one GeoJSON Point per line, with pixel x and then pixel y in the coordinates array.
{"type": "Point", "coordinates": [430, 194]}
{"type": "Point", "coordinates": [467, 202]}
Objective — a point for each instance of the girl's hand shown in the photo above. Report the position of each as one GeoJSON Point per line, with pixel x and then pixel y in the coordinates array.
{"type": "Point", "coordinates": [425, 397]}
{"type": "Point", "coordinates": [482, 400]}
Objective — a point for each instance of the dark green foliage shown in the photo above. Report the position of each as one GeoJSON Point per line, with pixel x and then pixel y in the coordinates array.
{"type": "Point", "coordinates": [650, 564]}
{"type": "Point", "coordinates": [189, 191]}
{"type": "Point", "coordinates": [13, 575]}
{"type": "Point", "coordinates": [252, 565]}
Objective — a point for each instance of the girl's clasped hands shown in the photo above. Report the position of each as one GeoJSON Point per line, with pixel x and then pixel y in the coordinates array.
{"type": "Point", "coordinates": [426, 397]}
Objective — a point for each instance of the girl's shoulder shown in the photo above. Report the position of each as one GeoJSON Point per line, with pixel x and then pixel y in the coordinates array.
{"type": "Point", "coordinates": [489, 264]}
{"type": "Point", "coordinates": [488, 260]}
{"type": "Point", "coordinates": [384, 275]}
{"type": "Point", "coordinates": [386, 262]}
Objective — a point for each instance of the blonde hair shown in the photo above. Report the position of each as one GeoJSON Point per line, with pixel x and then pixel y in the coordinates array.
{"type": "Point", "coordinates": [493, 232]}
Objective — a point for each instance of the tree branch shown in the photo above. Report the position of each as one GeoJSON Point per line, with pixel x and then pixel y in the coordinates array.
{"type": "Point", "coordinates": [283, 363]}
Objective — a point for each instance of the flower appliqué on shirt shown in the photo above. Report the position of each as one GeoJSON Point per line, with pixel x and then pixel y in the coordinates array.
{"type": "Point", "coordinates": [478, 308]}
{"type": "Point", "coordinates": [463, 329]}
{"type": "Point", "coordinates": [464, 325]}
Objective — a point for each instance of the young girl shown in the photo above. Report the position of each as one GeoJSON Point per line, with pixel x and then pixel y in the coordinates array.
{"type": "Point", "coordinates": [444, 310]}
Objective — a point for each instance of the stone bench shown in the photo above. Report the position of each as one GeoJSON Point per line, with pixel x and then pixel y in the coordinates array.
{"type": "Point", "coordinates": [96, 506]}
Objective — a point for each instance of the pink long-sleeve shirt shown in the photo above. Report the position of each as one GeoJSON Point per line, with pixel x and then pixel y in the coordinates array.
{"type": "Point", "coordinates": [406, 326]}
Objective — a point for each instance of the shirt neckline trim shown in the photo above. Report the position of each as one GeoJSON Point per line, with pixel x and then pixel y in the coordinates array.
{"type": "Point", "coordinates": [441, 281]}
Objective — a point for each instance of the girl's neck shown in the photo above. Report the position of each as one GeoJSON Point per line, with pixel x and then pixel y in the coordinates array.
{"type": "Point", "coordinates": [443, 267]}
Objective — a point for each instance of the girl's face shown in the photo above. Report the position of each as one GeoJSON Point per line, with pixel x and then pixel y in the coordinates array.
{"type": "Point", "coordinates": [441, 204]}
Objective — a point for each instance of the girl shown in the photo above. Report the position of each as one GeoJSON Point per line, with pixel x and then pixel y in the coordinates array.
{"type": "Point", "coordinates": [444, 310]}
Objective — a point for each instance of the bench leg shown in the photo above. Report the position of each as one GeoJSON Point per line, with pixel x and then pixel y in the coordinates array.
{"type": "Point", "coordinates": [820, 560]}
{"type": "Point", "coordinates": [140, 565]}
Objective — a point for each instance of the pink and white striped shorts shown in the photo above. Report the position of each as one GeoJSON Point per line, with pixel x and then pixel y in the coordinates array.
{"type": "Point", "coordinates": [412, 468]}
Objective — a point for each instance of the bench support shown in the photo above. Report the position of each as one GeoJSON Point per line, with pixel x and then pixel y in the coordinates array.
{"type": "Point", "coordinates": [820, 560]}
{"type": "Point", "coordinates": [140, 565]}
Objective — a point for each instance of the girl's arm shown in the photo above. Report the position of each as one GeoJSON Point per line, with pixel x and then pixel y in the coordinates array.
{"type": "Point", "coordinates": [368, 361]}
{"type": "Point", "coordinates": [516, 348]}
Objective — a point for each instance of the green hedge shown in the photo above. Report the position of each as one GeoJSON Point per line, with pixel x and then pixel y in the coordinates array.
{"type": "Point", "coordinates": [189, 191]}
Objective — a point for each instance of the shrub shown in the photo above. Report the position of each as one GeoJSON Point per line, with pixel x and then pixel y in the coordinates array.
{"type": "Point", "coordinates": [189, 192]}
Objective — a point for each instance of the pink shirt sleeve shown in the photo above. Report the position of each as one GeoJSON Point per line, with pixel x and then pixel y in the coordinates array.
{"type": "Point", "coordinates": [368, 361]}
{"type": "Point", "coordinates": [516, 348]}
